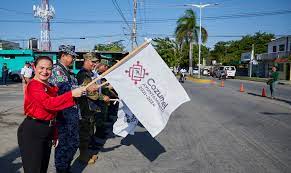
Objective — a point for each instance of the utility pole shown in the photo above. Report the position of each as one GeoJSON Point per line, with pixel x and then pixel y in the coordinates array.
{"type": "Point", "coordinates": [45, 12]}
{"type": "Point", "coordinates": [200, 6]}
{"type": "Point", "coordinates": [252, 59]}
{"type": "Point", "coordinates": [133, 34]}
{"type": "Point", "coordinates": [190, 59]}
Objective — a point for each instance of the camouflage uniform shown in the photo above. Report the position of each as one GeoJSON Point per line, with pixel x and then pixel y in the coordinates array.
{"type": "Point", "coordinates": [67, 120]}
{"type": "Point", "coordinates": [102, 116]}
{"type": "Point", "coordinates": [88, 109]}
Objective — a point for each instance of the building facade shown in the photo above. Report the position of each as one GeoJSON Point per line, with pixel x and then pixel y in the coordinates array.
{"type": "Point", "coordinates": [5, 45]}
{"type": "Point", "coordinates": [279, 54]}
{"type": "Point", "coordinates": [15, 59]}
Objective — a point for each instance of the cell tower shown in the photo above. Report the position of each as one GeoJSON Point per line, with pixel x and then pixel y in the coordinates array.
{"type": "Point", "coordinates": [45, 12]}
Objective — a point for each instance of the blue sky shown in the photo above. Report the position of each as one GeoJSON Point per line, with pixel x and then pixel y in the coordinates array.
{"type": "Point", "coordinates": [70, 11]}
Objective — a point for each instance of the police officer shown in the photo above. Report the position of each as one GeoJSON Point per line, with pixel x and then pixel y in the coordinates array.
{"type": "Point", "coordinates": [88, 107]}
{"type": "Point", "coordinates": [68, 119]}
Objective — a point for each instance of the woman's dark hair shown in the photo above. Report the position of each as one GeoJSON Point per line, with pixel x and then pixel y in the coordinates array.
{"type": "Point", "coordinates": [42, 58]}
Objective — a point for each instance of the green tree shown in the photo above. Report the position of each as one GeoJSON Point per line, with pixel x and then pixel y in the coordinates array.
{"type": "Point", "coordinates": [168, 50]}
{"type": "Point", "coordinates": [112, 47]}
{"type": "Point", "coordinates": [175, 55]}
{"type": "Point", "coordinates": [229, 52]}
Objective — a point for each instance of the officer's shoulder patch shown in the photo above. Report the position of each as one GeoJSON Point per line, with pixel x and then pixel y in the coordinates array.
{"type": "Point", "coordinates": [60, 73]}
{"type": "Point", "coordinates": [60, 79]}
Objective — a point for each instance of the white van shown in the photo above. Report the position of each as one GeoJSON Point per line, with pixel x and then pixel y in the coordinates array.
{"type": "Point", "coordinates": [230, 71]}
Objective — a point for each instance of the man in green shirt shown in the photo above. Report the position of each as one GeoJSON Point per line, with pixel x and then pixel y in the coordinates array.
{"type": "Point", "coordinates": [272, 82]}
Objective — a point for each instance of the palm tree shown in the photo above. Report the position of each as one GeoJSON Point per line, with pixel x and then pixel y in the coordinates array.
{"type": "Point", "coordinates": [187, 30]}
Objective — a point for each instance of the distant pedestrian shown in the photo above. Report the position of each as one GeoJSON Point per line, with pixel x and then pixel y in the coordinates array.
{"type": "Point", "coordinates": [26, 74]}
{"type": "Point", "coordinates": [182, 75]}
{"type": "Point", "coordinates": [273, 81]}
{"type": "Point", "coordinates": [4, 73]}
{"type": "Point", "coordinates": [41, 105]}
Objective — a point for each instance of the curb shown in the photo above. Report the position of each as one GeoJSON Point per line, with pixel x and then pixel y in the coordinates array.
{"type": "Point", "coordinates": [199, 80]}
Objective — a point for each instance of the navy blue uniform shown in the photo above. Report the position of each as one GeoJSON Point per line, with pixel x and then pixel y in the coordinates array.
{"type": "Point", "coordinates": [67, 121]}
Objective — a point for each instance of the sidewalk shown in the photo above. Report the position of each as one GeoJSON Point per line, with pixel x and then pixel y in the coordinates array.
{"type": "Point", "coordinates": [257, 79]}
{"type": "Point", "coordinates": [285, 82]}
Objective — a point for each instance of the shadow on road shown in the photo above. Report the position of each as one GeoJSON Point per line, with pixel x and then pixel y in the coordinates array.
{"type": "Point", "coordinates": [145, 143]}
{"type": "Point", "coordinates": [8, 162]}
{"type": "Point", "coordinates": [278, 99]}
{"type": "Point", "coordinates": [275, 113]}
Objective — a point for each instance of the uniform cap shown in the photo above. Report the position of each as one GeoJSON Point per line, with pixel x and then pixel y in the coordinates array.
{"type": "Point", "coordinates": [105, 62]}
{"type": "Point", "coordinates": [69, 49]}
{"type": "Point", "coordinates": [90, 56]}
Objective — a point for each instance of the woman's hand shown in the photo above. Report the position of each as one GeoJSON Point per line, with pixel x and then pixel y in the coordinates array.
{"type": "Point", "coordinates": [92, 88]}
{"type": "Point", "coordinates": [78, 92]}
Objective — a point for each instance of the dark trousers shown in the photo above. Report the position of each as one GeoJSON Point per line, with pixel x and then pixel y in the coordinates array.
{"type": "Point", "coordinates": [34, 140]}
{"type": "Point", "coordinates": [86, 132]}
{"type": "Point", "coordinates": [272, 88]}
{"type": "Point", "coordinates": [4, 79]}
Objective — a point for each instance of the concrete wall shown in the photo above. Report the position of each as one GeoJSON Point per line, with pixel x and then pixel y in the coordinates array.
{"type": "Point", "coordinates": [15, 64]}
{"type": "Point", "coordinates": [279, 41]}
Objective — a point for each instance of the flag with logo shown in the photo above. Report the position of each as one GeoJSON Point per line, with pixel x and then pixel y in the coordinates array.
{"type": "Point", "coordinates": [149, 88]}
{"type": "Point", "coordinates": [126, 121]}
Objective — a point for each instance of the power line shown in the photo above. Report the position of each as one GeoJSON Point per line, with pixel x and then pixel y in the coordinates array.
{"type": "Point", "coordinates": [120, 12]}
{"type": "Point", "coordinates": [211, 36]}
{"type": "Point", "coordinates": [229, 16]}
{"type": "Point", "coordinates": [233, 16]}
{"type": "Point", "coordinates": [141, 35]}
{"type": "Point", "coordinates": [73, 37]}
{"type": "Point", "coordinates": [15, 11]}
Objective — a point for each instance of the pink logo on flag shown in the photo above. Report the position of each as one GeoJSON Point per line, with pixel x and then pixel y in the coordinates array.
{"type": "Point", "coordinates": [136, 72]}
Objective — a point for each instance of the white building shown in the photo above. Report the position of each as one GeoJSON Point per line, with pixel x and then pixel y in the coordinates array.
{"type": "Point", "coordinates": [4, 45]}
{"type": "Point", "coordinates": [279, 54]}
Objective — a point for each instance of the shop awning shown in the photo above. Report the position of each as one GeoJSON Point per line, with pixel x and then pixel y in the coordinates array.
{"type": "Point", "coordinates": [281, 60]}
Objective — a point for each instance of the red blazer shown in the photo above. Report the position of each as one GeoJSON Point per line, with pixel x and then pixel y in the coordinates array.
{"type": "Point", "coordinates": [41, 101]}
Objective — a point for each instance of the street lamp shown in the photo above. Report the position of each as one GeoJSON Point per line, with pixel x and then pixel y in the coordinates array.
{"type": "Point", "coordinates": [200, 6]}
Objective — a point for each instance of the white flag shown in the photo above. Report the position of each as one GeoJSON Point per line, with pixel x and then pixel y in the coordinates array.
{"type": "Point", "coordinates": [149, 88]}
{"type": "Point", "coordinates": [126, 122]}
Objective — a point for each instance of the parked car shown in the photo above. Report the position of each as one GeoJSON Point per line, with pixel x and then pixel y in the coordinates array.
{"type": "Point", "coordinates": [195, 70]}
{"type": "Point", "coordinates": [206, 72]}
{"type": "Point", "coordinates": [15, 75]}
{"type": "Point", "coordinates": [229, 70]}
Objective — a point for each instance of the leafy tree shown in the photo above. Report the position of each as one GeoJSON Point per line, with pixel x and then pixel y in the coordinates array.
{"type": "Point", "coordinates": [112, 47]}
{"type": "Point", "coordinates": [229, 52]}
{"type": "Point", "coordinates": [168, 50]}
{"type": "Point", "coordinates": [175, 55]}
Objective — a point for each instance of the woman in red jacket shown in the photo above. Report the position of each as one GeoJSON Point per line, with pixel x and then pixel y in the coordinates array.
{"type": "Point", "coordinates": [41, 105]}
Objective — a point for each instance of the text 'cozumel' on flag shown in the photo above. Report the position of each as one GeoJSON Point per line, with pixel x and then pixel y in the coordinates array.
{"type": "Point", "coordinates": [148, 87]}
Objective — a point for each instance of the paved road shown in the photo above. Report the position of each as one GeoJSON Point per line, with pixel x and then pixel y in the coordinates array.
{"type": "Point", "coordinates": [221, 131]}
{"type": "Point", "coordinates": [282, 92]}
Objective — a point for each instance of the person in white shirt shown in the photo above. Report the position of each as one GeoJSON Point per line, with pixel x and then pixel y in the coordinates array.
{"type": "Point", "coordinates": [182, 75]}
{"type": "Point", "coordinates": [26, 74]}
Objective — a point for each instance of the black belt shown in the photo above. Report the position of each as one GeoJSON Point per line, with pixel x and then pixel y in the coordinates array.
{"type": "Point", "coordinates": [49, 123]}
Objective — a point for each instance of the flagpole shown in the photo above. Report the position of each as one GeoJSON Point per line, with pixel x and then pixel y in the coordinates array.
{"type": "Point", "coordinates": [123, 60]}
